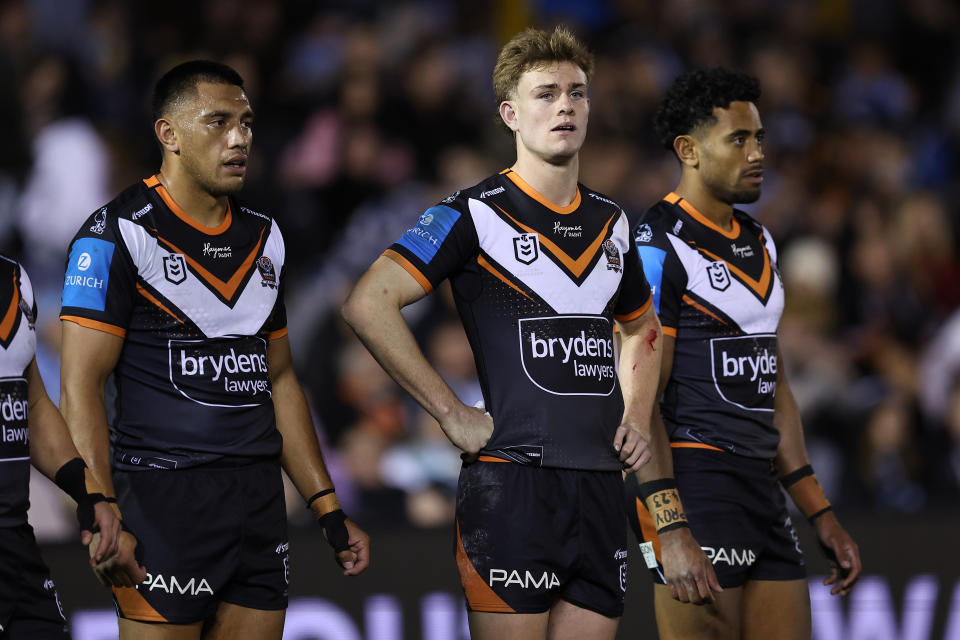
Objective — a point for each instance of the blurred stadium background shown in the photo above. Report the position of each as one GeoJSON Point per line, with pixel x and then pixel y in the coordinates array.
{"type": "Point", "coordinates": [370, 111]}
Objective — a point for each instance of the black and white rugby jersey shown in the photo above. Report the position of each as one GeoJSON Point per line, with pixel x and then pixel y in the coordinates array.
{"type": "Point", "coordinates": [196, 307]}
{"type": "Point", "coordinates": [18, 342]}
{"type": "Point", "coordinates": [720, 295]}
{"type": "Point", "coordinates": [537, 287]}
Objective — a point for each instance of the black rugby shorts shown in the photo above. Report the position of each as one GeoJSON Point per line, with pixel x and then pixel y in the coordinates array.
{"type": "Point", "coordinates": [737, 513]}
{"type": "Point", "coordinates": [211, 534]}
{"type": "Point", "coordinates": [527, 536]}
{"type": "Point", "coordinates": [29, 605]}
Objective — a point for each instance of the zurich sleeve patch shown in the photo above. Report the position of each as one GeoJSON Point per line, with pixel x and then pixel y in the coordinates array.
{"type": "Point", "coordinates": [88, 273]}
{"type": "Point", "coordinates": [652, 259]}
{"type": "Point", "coordinates": [432, 228]}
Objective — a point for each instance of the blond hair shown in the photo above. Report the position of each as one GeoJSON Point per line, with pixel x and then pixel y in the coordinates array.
{"type": "Point", "coordinates": [534, 49]}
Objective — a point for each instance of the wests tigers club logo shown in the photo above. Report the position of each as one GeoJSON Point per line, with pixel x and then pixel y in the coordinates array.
{"type": "Point", "coordinates": [268, 274]}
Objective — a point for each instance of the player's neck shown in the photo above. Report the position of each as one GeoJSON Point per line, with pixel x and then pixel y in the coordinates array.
{"type": "Point", "coordinates": [718, 212]}
{"type": "Point", "coordinates": [205, 209]}
{"type": "Point", "coordinates": [556, 183]}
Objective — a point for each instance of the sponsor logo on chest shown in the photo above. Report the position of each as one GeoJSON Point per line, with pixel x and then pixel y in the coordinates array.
{"type": "Point", "coordinates": [745, 370]}
{"type": "Point", "coordinates": [230, 372]}
{"type": "Point", "coordinates": [568, 355]}
{"type": "Point", "coordinates": [210, 251]}
{"type": "Point", "coordinates": [741, 252]}
{"type": "Point", "coordinates": [567, 231]}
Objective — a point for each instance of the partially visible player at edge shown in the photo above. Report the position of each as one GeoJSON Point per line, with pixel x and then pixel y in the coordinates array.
{"type": "Point", "coordinates": [540, 267]}
{"type": "Point", "coordinates": [34, 432]}
{"type": "Point", "coordinates": [177, 290]}
{"type": "Point", "coordinates": [734, 427]}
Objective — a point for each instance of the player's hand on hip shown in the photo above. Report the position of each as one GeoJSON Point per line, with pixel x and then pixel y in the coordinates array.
{"type": "Point", "coordinates": [842, 552]}
{"type": "Point", "coordinates": [687, 570]}
{"type": "Point", "coordinates": [106, 532]}
{"type": "Point", "coordinates": [123, 569]}
{"type": "Point", "coordinates": [633, 447]}
{"type": "Point", "coordinates": [357, 558]}
{"type": "Point", "coordinates": [468, 429]}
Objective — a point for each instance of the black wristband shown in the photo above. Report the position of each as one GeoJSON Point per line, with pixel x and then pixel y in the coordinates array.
{"type": "Point", "coordinates": [318, 495]}
{"type": "Point", "coordinates": [334, 525]}
{"type": "Point", "coordinates": [649, 488]}
{"type": "Point", "coordinates": [796, 475]}
{"type": "Point", "coordinates": [675, 525]}
{"type": "Point", "coordinates": [819, 513]}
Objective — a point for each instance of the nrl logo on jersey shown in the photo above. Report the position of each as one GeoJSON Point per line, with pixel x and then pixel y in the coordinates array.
{"type": "Point", "coordinates": [267, 272]}
{"type": "Point", "coordinates": [644, 233]}
{"type": "Point", "coordinates": [174, 268]}
{"type": "Point", "coordinates": [100, 222]}
{"type": "Point", "coordinates": [613, 255]}
{"type": "Point", "coordinates": [526, 248]}
{"type": "Point", "coordinates": [719, 276]}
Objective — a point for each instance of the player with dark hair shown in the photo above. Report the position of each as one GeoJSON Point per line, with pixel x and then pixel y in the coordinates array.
{"type": "Point", "coordinates": [33, 431]}
{"type": "Point", "coordinates": [540, 267]}
{"type": "Point", "coordinates": [177, 289]}
{"type": "Point", "coordinates": [732, 423]}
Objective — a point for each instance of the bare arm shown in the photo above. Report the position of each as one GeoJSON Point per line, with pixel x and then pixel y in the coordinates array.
{"type": "Point", "coordinates": [841, 550]}
{"type": "Point", "coordinates": [373, 311]}
{"type": "Point", "coordinates": [51, 448]}
{"type": "Point", "coordinates": [88, 357]}
{"type": "Point", "coordinates": [687, 570]}
{"type": "Point", "coordinates": [641, 348]}
{"type": "Point", "coordinates": [301, 456]}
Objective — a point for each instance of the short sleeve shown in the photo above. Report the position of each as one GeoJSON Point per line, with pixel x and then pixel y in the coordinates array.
{"type": "Point", "coordinates": [634, 298]}
{"type": "Point", "coordinates": [99, 285]}
{"type": "Point", "coordinates": [276, 325]}
{"type": "Point", "coordinates": [441, 242]}
{"type": "Point", "coordinates": [663, 270]}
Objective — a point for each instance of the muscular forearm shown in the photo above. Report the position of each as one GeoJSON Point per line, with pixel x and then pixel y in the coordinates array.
{"type": "Point", "coordinates": [50, 443]}
{"type": "Point", "coordinates": [639, 373]}
{"type": "Point", "coordinates": [661, 459]}
{"type": "Point", "coordinates": [792, 450]}
{"type": "Point", "coordinates": [301, 457]}
{"type": "Point", "coordinates": [83, 409]}
{"type": "Point", "coordinates": [383, 330]}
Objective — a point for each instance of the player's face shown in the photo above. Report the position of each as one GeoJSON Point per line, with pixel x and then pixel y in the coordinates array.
{"type": "Point", "coordinates": [731, 154]}
{"type": "Point", "coordinates": [551, 111]}
{"type": "Point", "coordinates": [214, 132]}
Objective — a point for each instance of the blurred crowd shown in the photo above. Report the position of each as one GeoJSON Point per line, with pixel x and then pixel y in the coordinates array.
{"type": "Point", "coordinates": [368, 112]}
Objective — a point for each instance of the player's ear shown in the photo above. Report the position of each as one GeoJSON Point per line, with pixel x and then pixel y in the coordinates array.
{"type": "Point", "coordinates": [508, 113]}
{"type": "Point", "coordinates": [687, 150]}
{"type": "Point", "coordinates": [166, 135]}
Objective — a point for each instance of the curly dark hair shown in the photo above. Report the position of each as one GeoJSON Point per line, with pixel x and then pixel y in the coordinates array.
{"type": "Point", "coordinates": [690, 101]}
